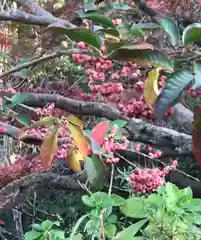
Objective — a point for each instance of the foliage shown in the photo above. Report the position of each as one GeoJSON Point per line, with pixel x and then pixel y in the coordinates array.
{"type": "Point", "coordinates": [174, 210]}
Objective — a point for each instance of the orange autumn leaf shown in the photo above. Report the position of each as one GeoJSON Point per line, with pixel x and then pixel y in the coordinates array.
{"type": "Point", "coordinates": [74, 160]}
{"type": "Point", "coordinates": [151, 91]}
{"type": "Point", "coordinates": [99, 132]}
{"type": "Point", "coordinates": [80, 140]}
{"type": "Point", "coordinates": [49, 147]}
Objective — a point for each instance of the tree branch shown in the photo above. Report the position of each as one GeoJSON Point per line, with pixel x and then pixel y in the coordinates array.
{"type": "Point", "coordinates": [139, 130]}
{"type": "Point", "coordinates": [18, 190]}
{"type": "Point", "coordinates": [39, 60]}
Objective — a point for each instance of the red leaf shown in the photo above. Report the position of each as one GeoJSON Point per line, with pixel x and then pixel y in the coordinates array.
{"type": "Point", "coordinates": [196, 135]}
{"type": "Point", "coordinates": [99, 131]}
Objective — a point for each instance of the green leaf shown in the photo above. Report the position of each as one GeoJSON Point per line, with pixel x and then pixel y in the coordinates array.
{"type": "Point", "coordinates": [112, 219]}
{"type": "Point", "coordinates": [175, 84]}
{"type": "Point", "coordinates": [117, 200]}
{"type": "Point", "coordinates": [171, 28]}
{"type": "Point", "coordinates": [24, 119]}
{"type": "Point", "coordinates": [119, 123]}
{"type": "Point", "coordinates": [134, 207]}
{"type": "Point", "coordinates": [136, 31]}
{"type": "Point", "coordinates": [197, 76]}
{"type": "Point", "coordinates": [192, 33]}
{"type": "Point", "coordinates": [47, 225]}
{"type": "Point", "coordinates": [121, 6]}
{"type": "Point", "coordinates": [76, 237]}
{"type": "Point", "coordinates": [37, 227]}
{"type": "Point", "coordinates": [147, 25]}
{"type": "Point", "coordinates": [4, 104]}
{"type": "Point", "coordinates": [95, 171]}
{"type": "Point", "coordinates": [76, 226]}
{"type": "Point", "coordinates": [89, 5]}
{"type": "Point", "coordinates": [77, 34]}
{"type": "Point", "coordinates": [17, 99]}
{"type": "Point", "coordinates": [33, 235]}
{"type": "Point", "coordinates": [110, 230]}
{"type": "Point", "coordinates": [57, 234]}
{"type": "Point", "coordinates": [87, 200]}
{"type": "Point", "coordinates": [99, 19]}
{"type": "Point", "coordinates": [143, 52]}
{"type": "Point", "coordinates": [110, 46]}
{"type": "Point", "coordinates": [129, 232]}
{"type": "Point", "coordinates": [24, 73]}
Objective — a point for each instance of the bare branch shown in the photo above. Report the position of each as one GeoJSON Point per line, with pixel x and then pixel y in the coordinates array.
{"type": "Point", "coordinates": [39, 60]}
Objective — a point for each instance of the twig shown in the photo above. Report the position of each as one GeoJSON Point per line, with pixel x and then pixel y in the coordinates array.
{"type": "Point", "coordinates": [102, 237]}
{"type": "Point", "coordinates": [111, 180]}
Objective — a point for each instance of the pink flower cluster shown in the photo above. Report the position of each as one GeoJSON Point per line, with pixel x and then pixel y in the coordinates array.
{"type": "Point", "coordinates": [43, 131]}
{"type": "Point", "coordinates": [148, 180]}
{"type": "Point", "coordinates": [110, 145]}
{"type": "Point", "coordinates": [194, 93]}
{"type": "Point", "coordinates": [107, 88]}
{"type": "Point", "coordinates": [21, 168]}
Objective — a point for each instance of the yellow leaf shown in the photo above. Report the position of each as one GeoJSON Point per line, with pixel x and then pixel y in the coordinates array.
{"type": "Point", "coordinates": [151, 91]}
{"type": "Point", "coordinates": [50, 120]}
{"type": "Point", "coordinates": [46, 120]}
{"type": "Point", "coordinates": [80, 140]}
{"type": "Point", "coordinates": [74, 160]}
{"type": "Point", "coordinates": [75, 121]}
{"type": "Point", "coordinates": [49, 147]}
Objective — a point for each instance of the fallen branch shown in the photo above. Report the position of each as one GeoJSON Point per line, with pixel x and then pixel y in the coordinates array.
{"type": "Point", "coordinates": [18, 190]}
{"type": "Point", "coordinates": [139, 130]}
{"type": "Point", "coordinates": [70, 105]}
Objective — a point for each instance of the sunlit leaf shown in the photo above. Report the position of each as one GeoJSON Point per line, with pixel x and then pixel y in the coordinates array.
{"type": "Point", "coordinates": [80, 140]}
{"type": "Point", "coordinates": [49, 147]}
{"type": "Point", "coordinates": [196, 135]}
{"type": "Point", "coordinates": [95, 171]}
{"type": "Point", "coordinates": [192, 33]}
{"type": "Point", "coordinates": [151, 91]}
{"type": "Point", "coordinates": [109, 31]}
{"type": "Point", "coordinates": [197, 76]}
{"type": "Point", "coordinates": [99, 132]}
{"type": "Point", "coordinates": [144, 52]}
{"type": "Point", "coordinates": [49, 120]}
{"type": "Point", "coordinates": [174, 85]}
{"type": "Point", "coordinates": [77, 34]}
{"type": "Point", "coordinates": [75, 121]}
{"type": "Point", "coordinates": [75, 161]}
{"type": "Point", "coordinates": [170, 27]}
